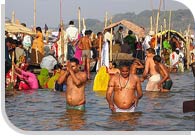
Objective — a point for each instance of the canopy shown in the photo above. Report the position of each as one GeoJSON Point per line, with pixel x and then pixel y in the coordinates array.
{"type": "Point", "coordinates": [172, 32]}
{"type": "Point", "coordinates": [138, 30]}
{"type": "Point", "coordinates": [16, 28]}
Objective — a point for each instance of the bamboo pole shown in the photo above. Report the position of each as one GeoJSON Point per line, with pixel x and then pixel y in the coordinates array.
{"type": "Point", "coordinates": [165, 24]}
{"type": "Point", "coordinates": [62, 32]}
{"type": "Point", "coordinates": [106, 20]}
{"type": "Point", "coordinates": [111, 20]}
{"type": "Point", "coordinates": [151, 2]}
{"type": "Point", "coordinates": [62, 39]}
{"type": "Point", "coordinates": [12, 74]}
{"type": "Point", "coordinates": [13, 17]}
{"type": "Point", "coordinates": [84, 25]}
{"type": "Point", "coordinates": [161, 29]}
{"type": "Point", "coordinates": [188, 47]}
{"type": "Point", "coordinates": [100, 52]}
{"type": "Point", "coordinates": [111, 44]}
{"type": "Point", "coordinates": [151, 24]}
{"type": "Point", "coordinates": [169, 25]}
{"type": "Point", "coordinates": [157, 21]}
{"type": "Point", "coordinates": [34, 15]}
{"type": "Point", "coordinates": [79, 19]}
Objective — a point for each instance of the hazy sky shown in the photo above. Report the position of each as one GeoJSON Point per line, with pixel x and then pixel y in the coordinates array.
{"type": "Point", "coordinates": [48, 11]}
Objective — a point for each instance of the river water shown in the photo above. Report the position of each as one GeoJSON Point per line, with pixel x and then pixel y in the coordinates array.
{"type": "Point", "coordinates": [43, 110]}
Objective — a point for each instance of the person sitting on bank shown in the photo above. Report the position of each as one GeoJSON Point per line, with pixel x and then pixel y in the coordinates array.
{"type": "Point", "coordinates": [124, 91]}
{"type": "Point", "coordinates": [75, 81]}
{"type": "Point", "coordinates": [165, 83]}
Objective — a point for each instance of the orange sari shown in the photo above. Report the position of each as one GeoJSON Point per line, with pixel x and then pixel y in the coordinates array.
{"type": "Point", "coordinates": [39, 45]}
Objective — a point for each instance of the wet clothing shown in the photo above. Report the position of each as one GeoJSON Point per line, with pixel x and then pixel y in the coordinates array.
{"type": "Point", "coordinates": [79, 107]}
{"type": "Point", "coordinates": [153, 83]}
{"type": "Point", "coordinates": [131, 109]}
{"type": "Point", "coordinates": [167, 84]}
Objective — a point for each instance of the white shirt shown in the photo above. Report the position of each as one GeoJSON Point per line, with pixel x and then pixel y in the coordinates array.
{"type": "Point", "coordinates": [72, 32]}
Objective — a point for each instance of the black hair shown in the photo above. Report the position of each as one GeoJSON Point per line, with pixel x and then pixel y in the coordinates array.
{"type": "Point", "coordinates": [23, 24]}
{"type": "Point", "coordinates": [38, 29]}
{"type": "Point", "coordinates": [124, 64]}
{"type": "Point", "coordinates": [57, 66]}
{"type": "Point", "coordinates": [151, 50]}
{"type": "Point", "coordinates": [120, 28]}
{"type": "Point", "coordinates": [74, 60]}
{"type": "Point", "coordinates": [71, 22]}
{"type": "Point", "coordinates": [9, 39]}
{"type": "Point", "coordinates": [157, 58]}
{"type": "Point", "coordinates": [99, 33]}
{"type": "Point", "coordinates": [88, 32]}
{"type": "Point", "coordinates": [130, 32]}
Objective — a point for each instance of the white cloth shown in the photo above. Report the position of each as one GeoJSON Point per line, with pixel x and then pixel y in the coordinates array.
{"type": "Point", "coordinates": [131, 109]}
{"type": "Point", "coordinates": [72, 32]}
{"type": "Point", "coordinates": [107, 36]}
{"type": "Point", "coordinates": [48, 62]}
{"type": "Point", "coordinates": [146, 44]}
{"type": "Point", "coordinates": [105, 55]}
{"type": "Point", "coordinates": [174, 58]}
{"type": "Point", "coordinates": [27, 42]}
{"type": "Point", "coordinates": [152, 84]}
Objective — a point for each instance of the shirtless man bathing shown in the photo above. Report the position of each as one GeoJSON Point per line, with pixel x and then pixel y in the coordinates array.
{"type": "Point", "coordinates": [124, 91]}
{"type": "Point", "coordinates": [150, 70]}
{"type": "Point", "coordinates": [75, 81]}
{"type": "Point", "coordinates": [165, 83]}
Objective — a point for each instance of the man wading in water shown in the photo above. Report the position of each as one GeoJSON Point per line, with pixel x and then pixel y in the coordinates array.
{"type": "Point", "coordinates": [126, 90]}
{"type": "Point", "coordinates": [75, 81]}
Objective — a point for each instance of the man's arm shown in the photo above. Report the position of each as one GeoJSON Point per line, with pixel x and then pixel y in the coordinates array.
{"type": "Point", "coordinates": [146, 70]}
{"type": "Point", "coordinates": [78, 81]}
{"type": "Point", "coordinates": [109, 93]}
{"type": "Point", "coordinates": [139, 90]}
{"type": "Point", "coordinates": [63, 77]}
{"type": "Point", "coordinates": [165, 77]}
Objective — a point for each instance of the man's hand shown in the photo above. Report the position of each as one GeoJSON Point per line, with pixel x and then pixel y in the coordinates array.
{"type": "Point", "coordinates": [111, 106]}
{"type": "Point", "coordinates": [136, 101]}
{"type": "Point", "coordinates": [142, 79]}
{"type": "Point", "coordinates": [159, 85]}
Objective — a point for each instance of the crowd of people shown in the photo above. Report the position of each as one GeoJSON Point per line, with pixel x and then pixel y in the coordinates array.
{"type": "Point", "coordinates": [62, 70]}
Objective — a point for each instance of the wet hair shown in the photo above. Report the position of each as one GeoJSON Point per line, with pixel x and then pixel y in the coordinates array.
{"type": "Point", "coordinates": [157, 58]}
{"type": "Point", "coordinates": [151, 50]}
{"type": "Point", "coordinates": [38, 29]}
{"type": "Point", "coordinates": [57, 66]}
{"type": "Point", "coordinates": [74, 60]}
{"type": "Point", "coordinates": [124, 64]}
{"type": "Point", "coordinates": [71, 22]}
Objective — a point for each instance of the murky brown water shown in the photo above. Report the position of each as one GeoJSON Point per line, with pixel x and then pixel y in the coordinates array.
{"type": "Point", "coordinates": [45, 110]}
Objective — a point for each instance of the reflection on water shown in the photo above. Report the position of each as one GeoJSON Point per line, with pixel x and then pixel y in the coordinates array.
{"type": "Point", "coordinates": [72, 119]}
{"type": "Point", "coordinates": [44, 110]}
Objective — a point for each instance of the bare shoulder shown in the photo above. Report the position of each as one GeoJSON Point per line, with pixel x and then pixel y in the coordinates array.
{"type": "Point", "coordinates": [135, 77]}
{"type": "Point", "coordinates": [82, 74]}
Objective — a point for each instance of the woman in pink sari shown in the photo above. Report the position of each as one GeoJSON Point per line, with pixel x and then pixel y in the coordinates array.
{"type": "Point", "coordinates": [78, 52]}
{"type": "Point", "coordinates": [29, 80]}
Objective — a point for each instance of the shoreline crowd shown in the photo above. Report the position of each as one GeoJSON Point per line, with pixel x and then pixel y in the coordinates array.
{"type": "Point", "coordinates": [68, 68]}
